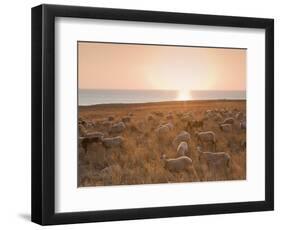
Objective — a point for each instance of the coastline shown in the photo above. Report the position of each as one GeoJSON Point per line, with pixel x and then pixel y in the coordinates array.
{"type": "Point", "coordinates": [162, 103]}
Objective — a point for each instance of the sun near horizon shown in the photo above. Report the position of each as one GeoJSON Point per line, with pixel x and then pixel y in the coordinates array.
{"type": "Point", "coordinates": [151, 67]}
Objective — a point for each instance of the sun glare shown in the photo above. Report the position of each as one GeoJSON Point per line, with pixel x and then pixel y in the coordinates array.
{"type": "Point", "coordinates": [183, 95]}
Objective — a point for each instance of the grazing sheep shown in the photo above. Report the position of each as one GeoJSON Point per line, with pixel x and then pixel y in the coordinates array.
{"type": "Point", "coordinates": [229, 120]}
{"type": "Point", "coordinates": [126, 119]}
{"type": "Point", "coordinates": [208, 111]}
{"type": "Point", "coordinates": [82, 122]}
{"type": "Point", "coordinates": [118, 127]}
{"type": "Point", "coordinates": [209, 114]}
{"type": "Point", "coordinates": [82, 130]}
{"type": "Point", "coordinates": [239, 116]}
{"type": "Point", "coordinates": [215, 159]}
{"type": "Point", "coordinates": [243, 125]}
{"type": "Point", "coordinates": [106, 124]}
{"type": "Point", "coordinates": [217, 117]}
{"type": "Point", "coordinates": [224, 113]}
{"type": "Point", "coordinates": [95, 136]}
{"type": "Point", "coordinates": [182, 149]}
{"type": "Point", "coordinates": [182, 136]}
{"type": "Point", "coordinates": [226, 127]}
{"type": "Point", "coordinates": [187, 117]}
{"type": "Point", "coordinates": [89, 124]}
{"type": "Point", "coordinates": [177, 164]}
{"type": "Point", "coordinates": [206, 137]}
{"type": "Point", "coordinates": [163, 130]}
{"type": "Point", "coordinates": [110, 142]}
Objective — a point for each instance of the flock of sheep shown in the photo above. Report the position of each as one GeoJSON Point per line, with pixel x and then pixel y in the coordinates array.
{"type": "Point", "coordinates": [193, 139]}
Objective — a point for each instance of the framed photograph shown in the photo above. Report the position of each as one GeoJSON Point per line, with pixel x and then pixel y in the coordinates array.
{"type": "Point", "coordinates": [143, 114]}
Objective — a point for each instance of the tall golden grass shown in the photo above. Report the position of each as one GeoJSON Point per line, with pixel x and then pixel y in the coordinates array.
{"type": "Point", "coordinates": [138, 160]}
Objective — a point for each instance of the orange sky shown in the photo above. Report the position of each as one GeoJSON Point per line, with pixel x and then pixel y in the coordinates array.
{"type": "Point", "coordinates": [123, 66]}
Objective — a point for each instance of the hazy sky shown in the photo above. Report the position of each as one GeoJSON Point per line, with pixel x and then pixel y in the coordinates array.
{"type": "Point", "coordinates": [123, 66]}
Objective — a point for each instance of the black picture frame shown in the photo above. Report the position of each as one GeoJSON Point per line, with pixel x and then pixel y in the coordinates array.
{"type": "Point", "coordinates": [43, 114]}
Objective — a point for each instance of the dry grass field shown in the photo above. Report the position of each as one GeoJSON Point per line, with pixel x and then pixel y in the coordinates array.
{"type": "Point", "coordinates": [140, 153]}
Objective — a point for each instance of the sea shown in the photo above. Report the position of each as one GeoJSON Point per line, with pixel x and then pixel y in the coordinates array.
{"type": "Point", "coordinates": [109, 96]}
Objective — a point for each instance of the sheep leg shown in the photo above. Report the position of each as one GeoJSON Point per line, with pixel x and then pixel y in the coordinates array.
{"type": "Point", "coordinates": [227, 168]}
{"type": "Point", "coordinates": [213, 172]}
{"type": "Point", "coordinates": [195, 173]}
{"type": "Point", "coordinates": [214, 146]}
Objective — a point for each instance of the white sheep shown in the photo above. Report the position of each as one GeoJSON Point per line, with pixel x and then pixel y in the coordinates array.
{"type": "Point", "coordinates": [182, 136]}
{"type": "Point", "coordinates": [226, 127]}
{"type": "Point", "coordinates": [206, 137]}
{"type": "Point", "coordinates": [86, 124]}
{"type": "Point", "coordinates": [209, 113]}
{"type": "Point", "coordinates": [182, 149]}
{"type": "Point", "coordinates": [187, 117]}
{"type": "Point", "coordinates": [163, 130]}
{"type": "Point", "coordinates": [177, 164]}
{"type": "Point", "coordinates": [106, 124]}
{"type": "Point", "coordinates": [110, 142]}
{"type": "Point", "coordinates": [91, 124]}
{"type": "Point", "coordinates": [217, 117]}
{"type": "Point", "coordinates": [118, 127]}
{"type": "Point", "coordinates": [95, 136]}
{"type": "Point", "coordinates": [229, 120]}
{"type": "Point", "coordinates": [215, 159]}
